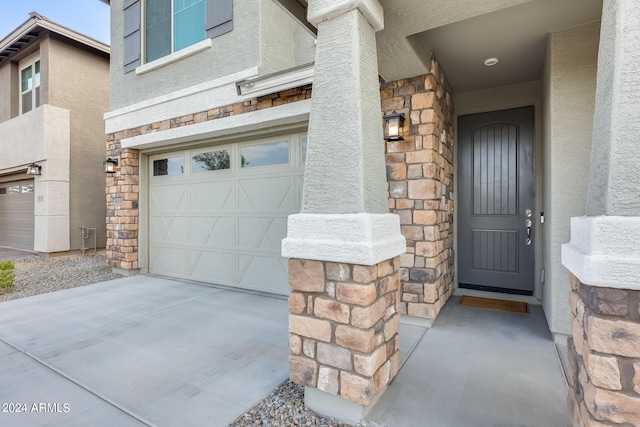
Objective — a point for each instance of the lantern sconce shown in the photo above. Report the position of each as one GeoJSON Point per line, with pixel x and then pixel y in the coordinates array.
{"type": "Point", "coordinates": [394, 126]}
{"type": "Point", "coordinates": [109, 165]}
{"type": "Point", "coordinates": [34, 169]}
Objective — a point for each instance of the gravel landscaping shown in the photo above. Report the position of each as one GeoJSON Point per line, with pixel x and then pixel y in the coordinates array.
{"type": "Point", "coordinates": [285, 407]}
{"type": "Point", "coordinates": [38, 275]}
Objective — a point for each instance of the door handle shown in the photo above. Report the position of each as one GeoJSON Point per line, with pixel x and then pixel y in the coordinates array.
{"type": "Point", "coordinates": [528, 224]}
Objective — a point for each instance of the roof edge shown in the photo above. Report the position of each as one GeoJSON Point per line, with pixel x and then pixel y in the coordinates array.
{"type": "Point", "coordinates": [36, 20]}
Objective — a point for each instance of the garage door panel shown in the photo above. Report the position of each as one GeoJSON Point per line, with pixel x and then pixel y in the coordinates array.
{"type": "Point", "coordinates": [170, 229]}
{"type": "Point", "coordinates": [261, 233]}
{"type": "Point", "coordinates": [17, 215]}
{"type": "Point", "coordinates": [224, 226]}
{"type": "Point", "coordinates": [19, 205]}
{"type": "Point", "coordinates": [212, 196]}
{"type": "Point", "coordinates": [168, 261]}
{"type": "Point", "coordinates": [168, 197]}
{"type": "Point", "coordinates": [14, 222]}
{"type": "Point", "coordinates": [213, 231]}
{"type": "Point", "coordinates": [18, 239]}
{"type": "Point", "coordinates": [267, 194]}
{"type": "Point", "coordinates": [258, 272]}
{"type": "Point", "coordinates": [212, 266]}
{"type": "Point", "coordinates": [277, 231]}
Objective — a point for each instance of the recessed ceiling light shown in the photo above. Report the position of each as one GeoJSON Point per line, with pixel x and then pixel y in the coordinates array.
{"type": "Point", "coordinates": [490, 62]}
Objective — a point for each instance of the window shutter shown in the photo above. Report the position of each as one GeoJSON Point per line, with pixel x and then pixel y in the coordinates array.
{"type": "Point", "coordinates": [131, 35]}
{"type": "Point", "coordinates": [219, 17]}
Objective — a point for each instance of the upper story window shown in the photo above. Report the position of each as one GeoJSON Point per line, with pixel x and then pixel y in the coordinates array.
{"type": "Point", "coordinates": [172, 25]}
{"type": "Point", "coordinates": [157, 28]}
{"type": "Point", "coordinates": [29, 85]}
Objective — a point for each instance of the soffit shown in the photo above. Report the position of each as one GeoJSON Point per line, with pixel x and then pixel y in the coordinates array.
{"type": "Point", "coordinates": [516, 35]}
{"type": "Point", "coordinates": [462, 33]}
{"type": "Point", "coordinates": [23, 36]}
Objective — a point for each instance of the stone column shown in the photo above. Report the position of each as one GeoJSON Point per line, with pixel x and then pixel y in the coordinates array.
{"type": "Point", "coordinates": [604, 253]}
{"type": "Point", "coordinates": [344, 245]}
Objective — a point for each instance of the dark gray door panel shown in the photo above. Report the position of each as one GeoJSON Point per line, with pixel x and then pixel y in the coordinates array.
{"type": "Point", "coordinates": [496, 198]}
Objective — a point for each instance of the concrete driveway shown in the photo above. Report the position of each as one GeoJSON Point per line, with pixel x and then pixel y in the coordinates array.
{"type": "Point", "coordinates": [139, 351]}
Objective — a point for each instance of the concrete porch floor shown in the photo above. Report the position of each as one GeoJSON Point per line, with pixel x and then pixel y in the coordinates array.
{"type": "Point", "coordinates": [149, 351]}
{"type": "Point", "coordinates": [479, 368]}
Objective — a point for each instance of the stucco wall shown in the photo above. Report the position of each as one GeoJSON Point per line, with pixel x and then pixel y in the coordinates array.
{"type": "Point", "coordinates": [502, 98]}
{"type": "Point", "coordinates": [79, 81]}
{"type": "Point", "coordinates": [263, 36]}
{"type": "Point", "coordinates": [229, 53]}
{"type": "Point", "coordinates": [569, 81]}
{"type": "Point", "coordinates": [615, 176]}
{"type": "Point", "coordinates": [397, 57]}
{"type": "Point", "coordinates": [305, 47]}
{"type": "Point", "coordinates": [10, 80]}
{"type": "Point", "coordinates": [284, 42]}
{"type": "Point", "coordinates": [9, 90]}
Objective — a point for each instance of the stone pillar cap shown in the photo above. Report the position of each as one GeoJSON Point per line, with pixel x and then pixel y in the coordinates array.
{"type": "Point", "coordinates": [321, 10]}
{"type": "Point", "coordinates": [361, 238]}
{"type": "Point", "coordinates": [604, 251]}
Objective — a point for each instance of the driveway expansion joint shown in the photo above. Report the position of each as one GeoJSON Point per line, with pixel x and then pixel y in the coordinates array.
{"type": "Point", "coordinates": [78, 383]}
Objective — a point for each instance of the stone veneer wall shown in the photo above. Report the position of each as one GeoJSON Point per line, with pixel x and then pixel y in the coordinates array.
{"type": "Point", "coordinates": [420, 176]}
{"type": "Point", "coordinates": [123, 186]}
{"type": "Point", "coordinates": [343, 327]}
{"type": "Point", "coordinates": [604, 356]}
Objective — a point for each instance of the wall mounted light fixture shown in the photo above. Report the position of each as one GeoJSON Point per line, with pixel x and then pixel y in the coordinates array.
{"type": "Point", "coordinates": [34, 169]}
{"type": "Point", "coordinates": [393, 126]}
{"type": "Point", "coordinates": [109, 165]}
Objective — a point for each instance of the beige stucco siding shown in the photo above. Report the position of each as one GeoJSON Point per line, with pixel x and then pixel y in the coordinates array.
{"type": "Point", "coordinates": [264, 38]}
{"type": "Point", "coordinates": [78, 81]}
{"type": "Point", "coordinates": [230, 53]}
{"type": "Point", "coordinates": [9, 98]}
{"type": "Point", "coordinates": [569, 82]}
{"type": "Point", "coordinates": [284, 42]}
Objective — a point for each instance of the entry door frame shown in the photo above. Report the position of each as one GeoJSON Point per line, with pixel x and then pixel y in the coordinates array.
{"type": "Point", "coordinates": [495, 102]}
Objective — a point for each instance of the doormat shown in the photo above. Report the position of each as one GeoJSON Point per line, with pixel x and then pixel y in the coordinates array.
{"type": "Point", "coordinates": [494, 304]}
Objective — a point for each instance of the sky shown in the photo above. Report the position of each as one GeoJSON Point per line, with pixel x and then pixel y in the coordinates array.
{"type": "Point", "coordinates": [88, 17]}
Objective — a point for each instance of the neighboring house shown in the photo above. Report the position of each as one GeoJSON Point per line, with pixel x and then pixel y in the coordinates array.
{"type": "Point", "coordinates": [54, 91]}
{"type": "Point", "coordinates": [210, 130]}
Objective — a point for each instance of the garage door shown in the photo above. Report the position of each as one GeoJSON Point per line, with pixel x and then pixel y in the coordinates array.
{"type": "Point", "coordinates": [16, 214]}
{"type": "Point", "coordinates": [218, 214]}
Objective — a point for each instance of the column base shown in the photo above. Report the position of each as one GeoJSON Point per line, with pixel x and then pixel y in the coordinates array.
{"type": "Point", "coordinates": [125, 272]}
{"type": "Point", "coordinates": [332, 406]}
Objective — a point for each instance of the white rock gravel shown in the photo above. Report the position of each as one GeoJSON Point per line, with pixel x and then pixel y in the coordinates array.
{"type": "Point", "coordinates": [284, 407]}
{"type": "Point", "coordinates": [38, 275]}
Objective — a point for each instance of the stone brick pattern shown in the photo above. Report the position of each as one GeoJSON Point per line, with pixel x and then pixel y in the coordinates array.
{"type": "Point", "coordinates": [122, 214]}
{"type": "Point", "coordinates": [604, 356]}
{"type": "Point", "coordinates": [122, 187]}
{"type": "Point", "coordinates": [343, 327]}
{"type": "Point", "coordinates": [420, 178]}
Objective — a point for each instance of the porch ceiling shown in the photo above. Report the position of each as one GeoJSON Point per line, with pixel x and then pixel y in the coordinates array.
{"type": "Point", "coordinates": [463, 33]}
{"type": "Point", "coordinates": [516, 35]}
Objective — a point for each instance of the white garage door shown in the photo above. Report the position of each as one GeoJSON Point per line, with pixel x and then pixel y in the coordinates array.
{"type": "Point", "coordinates": [218, 214]}
{"type": "Point", "coordinates": [16, 214]}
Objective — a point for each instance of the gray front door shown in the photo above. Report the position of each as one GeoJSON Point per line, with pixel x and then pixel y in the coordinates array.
{"type": "Point", "coordinates": [496, 201]}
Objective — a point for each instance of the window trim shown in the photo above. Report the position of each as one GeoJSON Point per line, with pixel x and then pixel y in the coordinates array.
{"type": "Point", "coordinates": [29, 61]}
{"type": "Point", "coordinates": [218, 21]}
{"type": "Point", "coordinates": [268, 141]}
{"type": "Point", "coordinates": [173, 57]}
{"type": "Point", "coordinates": [143, 34]}
{"type": "Point", "coordinates": [216, 148]}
